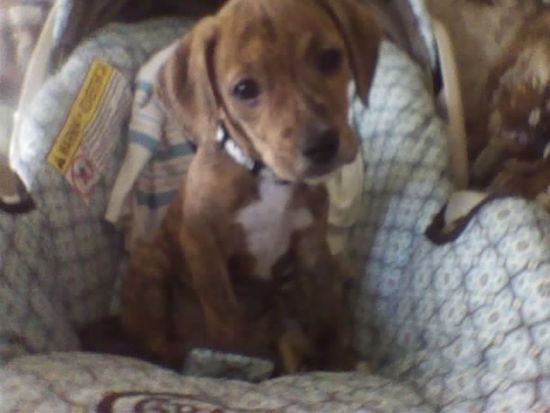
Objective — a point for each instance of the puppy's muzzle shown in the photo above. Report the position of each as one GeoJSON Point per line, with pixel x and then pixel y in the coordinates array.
{"type": "Point", "coordinates": [321, 148]}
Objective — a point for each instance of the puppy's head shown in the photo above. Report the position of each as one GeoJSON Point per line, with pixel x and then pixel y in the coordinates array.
{"type": "Point", "coordinates": [278, 73]}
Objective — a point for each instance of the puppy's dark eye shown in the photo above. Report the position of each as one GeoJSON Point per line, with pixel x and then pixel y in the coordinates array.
{"type": "Point", "coordinates": [330, 60]}
{"type": "Point", "coordinates": [246, 89]}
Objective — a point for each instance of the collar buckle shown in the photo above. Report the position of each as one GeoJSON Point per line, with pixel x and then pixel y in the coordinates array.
{"type": "Point", "coordinates": [235, 151]}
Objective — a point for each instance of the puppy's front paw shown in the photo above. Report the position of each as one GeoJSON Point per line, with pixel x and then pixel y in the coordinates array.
{"type": "Point", "coordinates": [543, 199]}
{"type": "Point", "coordinates": [293, 348]}
{"type": "Point", "coordinates": [363, 366]}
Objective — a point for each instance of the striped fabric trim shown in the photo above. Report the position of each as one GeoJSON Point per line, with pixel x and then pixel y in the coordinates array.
{"type": "Point", "coordinates": [143, 139]}
{"type": "Point", "coordinates": [172, 152]}
{"type": "Point", "coordinates": [154, 200]}
{"type": "Point", "coordinates": [144, 86]}
{"type": "Point", "coordinates": [146, 184]}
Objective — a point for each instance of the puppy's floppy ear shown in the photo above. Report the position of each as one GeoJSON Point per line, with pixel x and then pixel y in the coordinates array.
{"type": "Point", "coordinates": [184, 83]}
{"type": "Point", "coordinates": [362, 36]}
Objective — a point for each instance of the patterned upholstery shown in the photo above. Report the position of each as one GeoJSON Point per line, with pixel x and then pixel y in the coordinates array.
{"type": "Point", "coordinates": [463, 327]}
{"type": "Point", "coordinates": [478, 315]}
{"type": "Point", "coordinates": [51, 383]}
{"type": "Point", "coordinates": [59, 263]}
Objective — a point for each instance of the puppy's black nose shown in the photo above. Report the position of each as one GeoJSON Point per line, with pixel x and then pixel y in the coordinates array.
{"type": "Point", "coordinates": [321, 147]}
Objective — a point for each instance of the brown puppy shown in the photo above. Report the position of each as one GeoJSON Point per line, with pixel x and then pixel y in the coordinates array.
{"type": "Point", "coordinates": [519, 107]}
{"type": "Point", "coordinates": [241, 262]}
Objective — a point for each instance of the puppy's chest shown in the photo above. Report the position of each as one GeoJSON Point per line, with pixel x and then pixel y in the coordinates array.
{"type": "Point", "coordinates": [269, 223]}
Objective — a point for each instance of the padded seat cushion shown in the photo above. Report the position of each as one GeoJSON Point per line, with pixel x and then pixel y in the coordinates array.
{"type": "Point", "coordinates": [57, 382]}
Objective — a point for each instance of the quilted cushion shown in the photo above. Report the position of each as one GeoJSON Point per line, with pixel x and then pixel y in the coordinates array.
{"type": "Point", "coordinates": [466, 323]}
{"type": "Point", "coordinates": [56, 382]}
{"type": "Point", "coordinates": [475, 314]}
{"type": "Point", "coordinates": [406, 182]}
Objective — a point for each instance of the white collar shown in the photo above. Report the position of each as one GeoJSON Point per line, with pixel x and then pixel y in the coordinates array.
{"type": "Point", "coordinates": [235, 151]}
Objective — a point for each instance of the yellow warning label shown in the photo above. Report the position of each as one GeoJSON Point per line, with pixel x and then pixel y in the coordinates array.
{"type": "Point", "coordinates": [82, 113]}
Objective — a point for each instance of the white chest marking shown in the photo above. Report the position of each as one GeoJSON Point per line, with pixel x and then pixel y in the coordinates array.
{"type": "Point", "coordinates": [269, 224]}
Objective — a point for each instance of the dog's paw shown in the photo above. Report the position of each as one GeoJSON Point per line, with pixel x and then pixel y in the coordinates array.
{"type": "Point", "coordinates": [203, 362]}
{"type": "Point", "coordinates": [293, 348]}
{"type": "Point", "coordinates": [543, 199]}
{"type": "Point", "coordinates": [363, 366]}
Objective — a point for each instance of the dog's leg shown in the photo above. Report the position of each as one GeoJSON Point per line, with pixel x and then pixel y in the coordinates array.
{"type": "Point", "coordinates": [208, 267]}
{"type": "Point", "coordinates": [489, 161]}
{"type": "Point", "coordinates": [233, 321]}
{"type": "Point", "coordinates": [320, 298]}
{"type": "Point", "coordinates": [293, 347]}
{"type": "Point", "coordinates": [145, 299]}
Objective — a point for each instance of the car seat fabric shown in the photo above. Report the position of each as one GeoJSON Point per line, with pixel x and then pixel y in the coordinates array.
{"type": "Point", "coordinates": [59, 263]}
{"type": "Point", "coordinates": [466, 325]}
